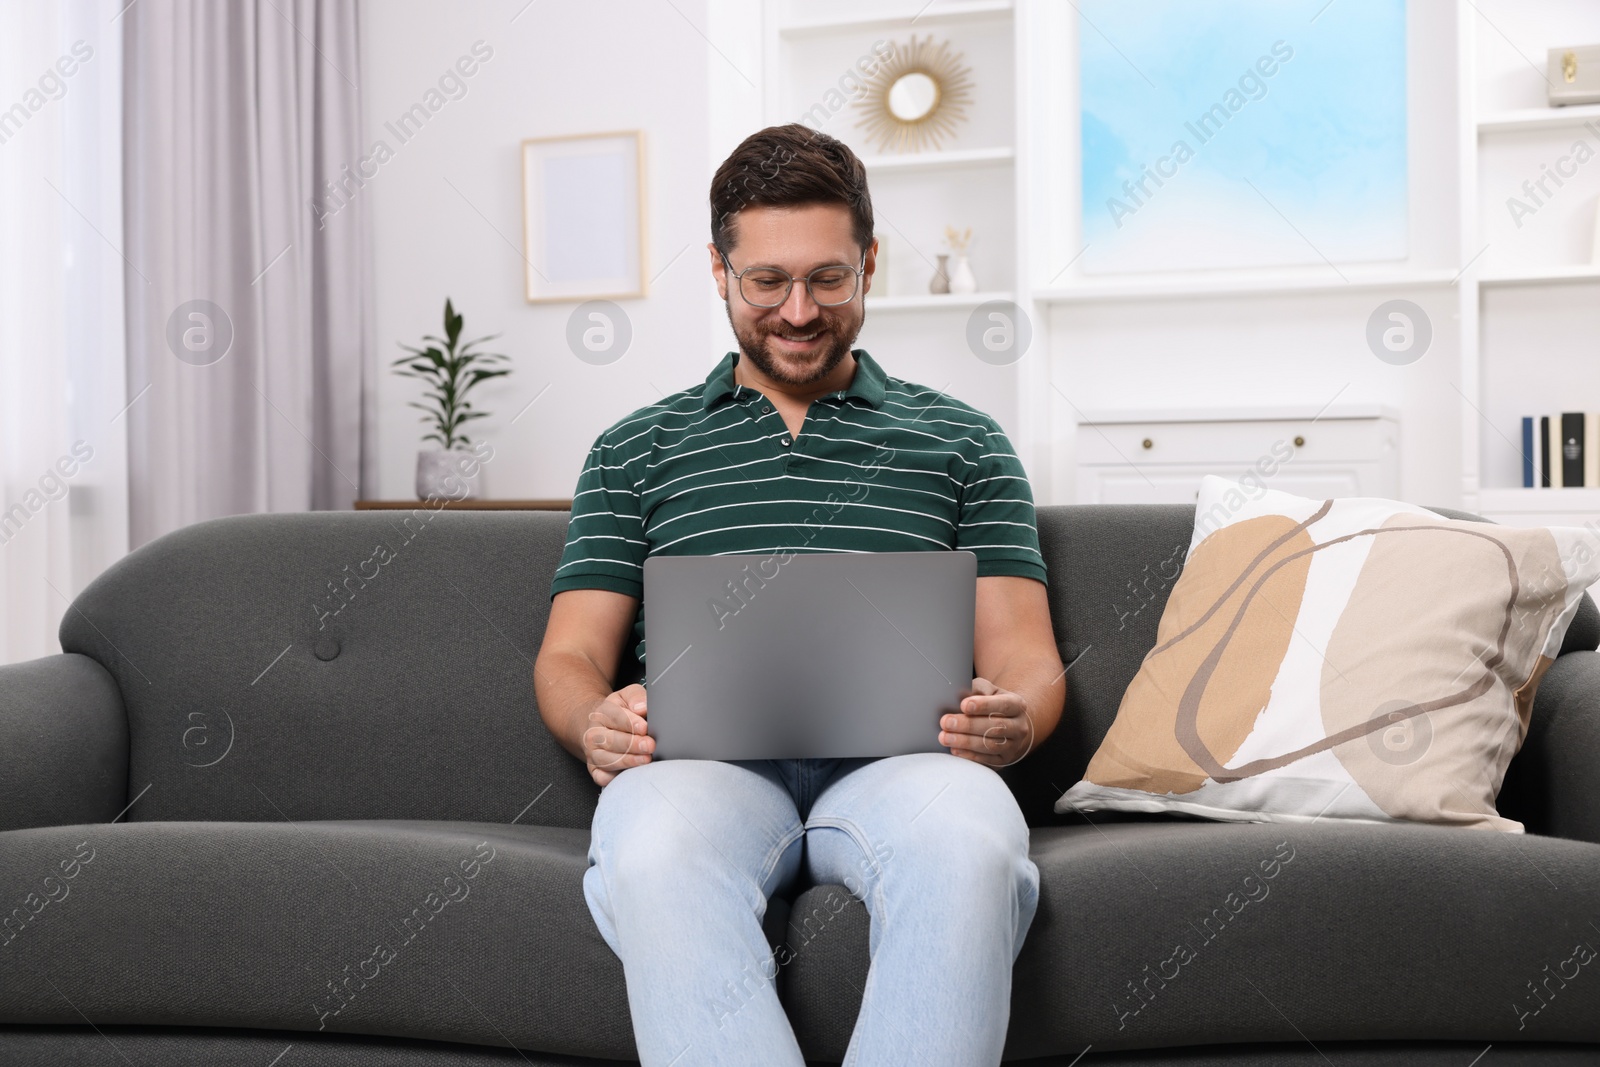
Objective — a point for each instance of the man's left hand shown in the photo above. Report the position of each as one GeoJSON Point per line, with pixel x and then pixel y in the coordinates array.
{"type": "Point", "coordinates": [992, 728]}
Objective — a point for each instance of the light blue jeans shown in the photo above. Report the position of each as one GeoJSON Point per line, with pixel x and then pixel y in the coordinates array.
{"type": "Point", "coordinates": [685, 854]}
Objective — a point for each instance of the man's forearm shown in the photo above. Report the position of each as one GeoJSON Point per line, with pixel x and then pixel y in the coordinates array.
{"type": "Point", "coordinates": [567, 686]}
{"type": "Point", "coordinates": [1042, 682]}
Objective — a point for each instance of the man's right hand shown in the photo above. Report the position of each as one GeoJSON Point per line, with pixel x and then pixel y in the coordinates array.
{"type": "Point", "coordinates": [615, 738]}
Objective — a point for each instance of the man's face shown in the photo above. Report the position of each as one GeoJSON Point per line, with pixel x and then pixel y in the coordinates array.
{"type": "Point", "coordinates": [798, 342]}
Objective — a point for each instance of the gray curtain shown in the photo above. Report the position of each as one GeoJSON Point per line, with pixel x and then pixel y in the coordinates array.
{"type": "Point", "coordinates": [239, 121]}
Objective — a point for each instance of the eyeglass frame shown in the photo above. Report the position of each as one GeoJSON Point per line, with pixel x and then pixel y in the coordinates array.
{"type": "Point", "coordinates": [738, 281]}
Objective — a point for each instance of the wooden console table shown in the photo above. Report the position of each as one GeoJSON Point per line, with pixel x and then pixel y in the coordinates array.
{"type": "Point", "coordinates": [467, 505]}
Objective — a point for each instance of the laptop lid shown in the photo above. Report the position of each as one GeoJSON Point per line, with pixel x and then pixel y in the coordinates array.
{"type": "Point", "coordinates": [806, 655]}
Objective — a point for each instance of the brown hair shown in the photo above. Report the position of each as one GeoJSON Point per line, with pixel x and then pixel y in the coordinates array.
{"type": "Point", "coordinates": [785, 166]}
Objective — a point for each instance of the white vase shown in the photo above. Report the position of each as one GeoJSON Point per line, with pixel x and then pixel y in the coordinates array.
{"type": "Point", "coordinates": [454, 475]}
{"type": "Point", "coordinates": [961, 279]}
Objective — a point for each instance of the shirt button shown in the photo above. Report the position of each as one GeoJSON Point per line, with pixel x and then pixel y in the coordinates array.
{"type": "Point", "coordinates": [785, 442]}
{"type": "Point", "coordinates": [766, 408]}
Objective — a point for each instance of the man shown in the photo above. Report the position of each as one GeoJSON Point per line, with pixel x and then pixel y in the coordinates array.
{"type": "Point", "coordinates": [799, 442]}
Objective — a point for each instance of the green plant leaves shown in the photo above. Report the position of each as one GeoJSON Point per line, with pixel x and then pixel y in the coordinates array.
{"type": "Point", "coordinates": [451, 370]}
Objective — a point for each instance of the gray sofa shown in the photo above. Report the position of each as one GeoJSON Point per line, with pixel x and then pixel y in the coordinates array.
{"type": "Point", "coordinates": [286, 799]}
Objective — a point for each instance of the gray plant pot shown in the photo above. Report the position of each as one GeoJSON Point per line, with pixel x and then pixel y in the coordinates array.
{"type": "Point", "coordinates": [440, 474]}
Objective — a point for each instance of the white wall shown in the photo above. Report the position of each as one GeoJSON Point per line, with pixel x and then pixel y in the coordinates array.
{"type": "Point", "coordinates": [558, 67]}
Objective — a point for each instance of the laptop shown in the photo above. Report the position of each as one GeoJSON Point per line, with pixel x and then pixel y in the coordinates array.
{"type": "Point", "coordinates": [821, 656]}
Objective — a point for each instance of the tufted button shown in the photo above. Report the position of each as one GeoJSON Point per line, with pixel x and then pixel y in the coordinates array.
{"type": "Point", "coordinates": [326, 647]}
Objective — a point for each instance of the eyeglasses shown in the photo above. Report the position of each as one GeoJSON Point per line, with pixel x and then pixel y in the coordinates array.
{"type": "Point", "coordinates": [769, 287]}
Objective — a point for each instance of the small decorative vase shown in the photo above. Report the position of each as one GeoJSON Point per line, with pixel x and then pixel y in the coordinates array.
{"type": "Point", "coordinates": [961, 279]}
{"type": "Point", "coordinates": [941, 276]}
{"type": "Point", "coordinates": [443, 474]}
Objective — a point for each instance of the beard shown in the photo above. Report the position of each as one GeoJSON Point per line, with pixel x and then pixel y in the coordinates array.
{"type": "Point", "coordinates": [797, 369]}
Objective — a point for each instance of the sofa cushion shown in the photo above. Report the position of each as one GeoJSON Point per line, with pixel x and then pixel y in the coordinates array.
{"type": "Point", "coordinates": [446, 931]}
{"type": "Point", "coordinates": [1352, 658]}
{"type": "Point", "coordinates": [75, 1046]}
{"type": "Point", "coordinates": [1349, 932]}
{"type": "Point", "coordinates": [185, 1046]}
{"type": "Point", "coordinates": [1112, 567]}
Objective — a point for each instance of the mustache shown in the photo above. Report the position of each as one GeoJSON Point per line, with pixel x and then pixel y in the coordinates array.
{"type": "Point", "coordinates": [791, 333]}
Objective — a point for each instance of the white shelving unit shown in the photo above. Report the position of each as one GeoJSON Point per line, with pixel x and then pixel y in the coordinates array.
{"type": "Point", "coordinates": [1515, 308]}
{"type": "Point", "coordinates": [971, 179]}
{"type": "Point", "coordinates": [1538, 118]}
{"type": "Point", "coordinates": [1531, 308]}
{"type": "Point", "coordinates": [939, 161]}
{"type": "Point", "coordinates": [1222, 283]}
{"type": "Point", "coordinates": [935, 301]}
{"type": "Point", "coordinates": [1542, 276]}
{"type": "Point", "coordinates": [851, 17]}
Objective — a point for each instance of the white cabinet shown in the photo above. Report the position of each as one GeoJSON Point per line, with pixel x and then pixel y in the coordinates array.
{"type": "Point", "coordinates": [1159, 457]}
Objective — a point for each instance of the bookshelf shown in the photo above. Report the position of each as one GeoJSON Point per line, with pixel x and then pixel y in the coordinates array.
{"type": "Point", "coordinates": [1537, 118]}
{"type": "Point", "coordinates": [1248, 283]}
{"type": "Point", "coordinates": [971, 179]}
{"type": "Point", "coordinates": [831, 17]}
{"type": "Point", "coordinates": [1514, 310]}
{"type": "Point", "coordinates": [939, 161]}
{"type": "Point", "coordinates": [934, 301]}
{"type": "Point", "coordinates": [1530, 305]}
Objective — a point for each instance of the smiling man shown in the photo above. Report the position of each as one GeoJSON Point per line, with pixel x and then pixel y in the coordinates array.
{"type": "Point", "coordinates": [685, 854]}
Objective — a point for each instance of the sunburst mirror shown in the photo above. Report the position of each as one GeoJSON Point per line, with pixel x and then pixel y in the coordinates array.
{"type": "Point", "coordinates": [916, 97]}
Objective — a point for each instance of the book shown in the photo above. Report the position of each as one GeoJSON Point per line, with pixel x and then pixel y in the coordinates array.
{"type": "Point", "coordinates": [1544, 451]}
{"type": "Point", "coordinates": [1572, 449]}
{"type": "Point", "coordinates": [1561, 451]}
{"type": "Point", "coordinates": [1529, 473]}
{"type": "Point", "coordinates": [1591, 452]}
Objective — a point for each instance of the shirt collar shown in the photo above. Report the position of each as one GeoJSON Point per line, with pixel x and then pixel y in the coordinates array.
{"type": "Point", "coordinates": [868, 384]}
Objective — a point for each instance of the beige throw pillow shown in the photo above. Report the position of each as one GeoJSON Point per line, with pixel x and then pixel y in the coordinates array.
{"type": "Point", "coordinates": [1352, 658]}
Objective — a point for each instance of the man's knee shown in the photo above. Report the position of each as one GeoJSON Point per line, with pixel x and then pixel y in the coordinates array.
{"type": "Point", "coordinates": [975, 821]}
{"type": "Point", "coordinates": [651, 858]}
{"type": "Point", "coordinates": [654, 836]}
{"type": "Point", "coordinates": [626, 824]}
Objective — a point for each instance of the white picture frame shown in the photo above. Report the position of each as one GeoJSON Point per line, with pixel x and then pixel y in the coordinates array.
{"type": "Point", "coordinates": [583, 217]}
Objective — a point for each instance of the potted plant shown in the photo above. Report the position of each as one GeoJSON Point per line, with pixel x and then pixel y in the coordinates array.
{"type": "Point", "coordinates": [451, 369]}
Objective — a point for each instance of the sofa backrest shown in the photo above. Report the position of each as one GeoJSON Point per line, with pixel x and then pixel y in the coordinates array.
{"type": "Point", "coordinates": [332, 665]}
{"type": "Point", "coordinates": [328, 665]}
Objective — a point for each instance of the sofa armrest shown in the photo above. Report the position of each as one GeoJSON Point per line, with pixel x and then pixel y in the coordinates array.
{"type": "Point", "coordinates": [63, 743]}
{"type": "Point", "coordinates": [1561, 753]}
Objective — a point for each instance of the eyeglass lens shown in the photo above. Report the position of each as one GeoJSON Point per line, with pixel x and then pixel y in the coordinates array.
{"type": "Point", "coordinates": [769, 287]}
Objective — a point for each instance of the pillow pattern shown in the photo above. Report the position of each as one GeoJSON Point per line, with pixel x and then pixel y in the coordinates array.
{"type": "Point", "coordinates": [1352, 658]}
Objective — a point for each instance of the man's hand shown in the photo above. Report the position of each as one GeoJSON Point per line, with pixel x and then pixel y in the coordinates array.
{"type": "Point", "coordinates": [617, 738]}
{"type": "Point", "coordinates": [993, 728]}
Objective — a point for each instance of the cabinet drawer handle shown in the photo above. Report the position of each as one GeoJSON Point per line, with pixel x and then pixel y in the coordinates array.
{"type": "Point", "coordinates": [1149, 443]}
{"type": "Point", "coordinates": [1299, 442]}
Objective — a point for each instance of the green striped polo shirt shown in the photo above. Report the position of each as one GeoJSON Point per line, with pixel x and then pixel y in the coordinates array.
{"type": "Point", "coordinates": [883, 466]}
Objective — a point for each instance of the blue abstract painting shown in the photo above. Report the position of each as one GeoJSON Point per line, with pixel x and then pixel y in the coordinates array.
{"type": "Point", "coordinates": [1255, 133]}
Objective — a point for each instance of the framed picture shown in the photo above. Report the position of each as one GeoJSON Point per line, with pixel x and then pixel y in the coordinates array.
{"type": "Point", "coordinates": [583, 216]}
